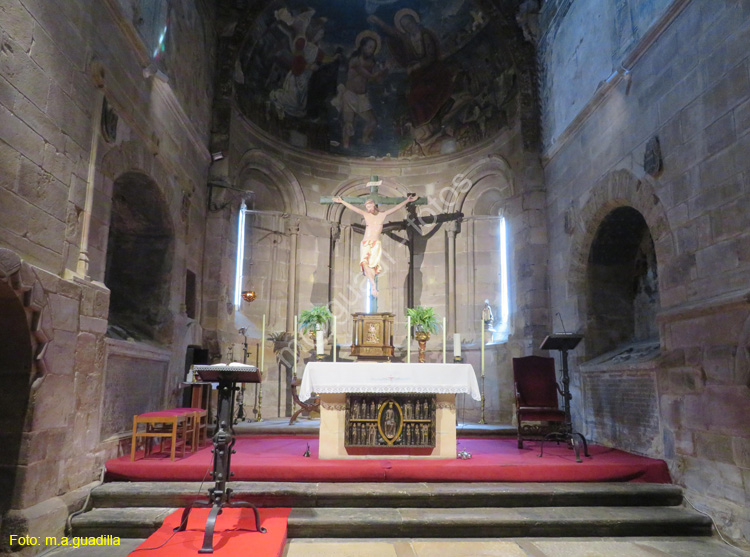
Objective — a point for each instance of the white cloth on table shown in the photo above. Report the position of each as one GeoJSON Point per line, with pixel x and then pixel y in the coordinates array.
{"type": "Point", "coordinates": [381, 377]}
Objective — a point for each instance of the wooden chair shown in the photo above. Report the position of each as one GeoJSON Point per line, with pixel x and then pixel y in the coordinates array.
{"type": "Point", "coordinates": [313, 405]}
{"type": "Point", "coordinates": [177, 426]}
{"type": "Point", "coordinates": [537, 408]}
{"type": "Point", "coordinates": [200, 436]}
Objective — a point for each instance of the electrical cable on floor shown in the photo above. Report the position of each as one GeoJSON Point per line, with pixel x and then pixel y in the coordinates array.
{"type": "Point", "coordinates": [69, 520]}
{"type": "Point", "coordinates": [712, 522]}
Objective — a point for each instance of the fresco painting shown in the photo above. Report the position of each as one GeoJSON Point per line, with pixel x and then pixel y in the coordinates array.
{"type": "Point", "coordinates": [377, 78]}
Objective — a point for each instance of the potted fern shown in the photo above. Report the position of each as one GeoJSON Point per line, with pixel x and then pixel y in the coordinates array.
{"type": "Point", "coordinates": [425, 323]}
{"type": "Point", "coordinates": [314, 321]}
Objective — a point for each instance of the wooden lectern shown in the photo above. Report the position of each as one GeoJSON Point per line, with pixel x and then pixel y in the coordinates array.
{"type": "Point", "coordinates": [564, 342]}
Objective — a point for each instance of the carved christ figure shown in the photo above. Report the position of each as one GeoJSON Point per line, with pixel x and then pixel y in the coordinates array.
{"type": "Point", "coordinates": [370, 250]}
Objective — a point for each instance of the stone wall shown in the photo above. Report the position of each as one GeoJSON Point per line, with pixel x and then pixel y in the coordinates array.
{"type": "Point", "coordinates": [689, 85]}
{"type": "Point", "coordinates": [58, 61]}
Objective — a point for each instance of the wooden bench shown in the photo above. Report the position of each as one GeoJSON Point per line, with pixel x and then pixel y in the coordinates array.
{"type": "Point", "coordinates": [176, 425]}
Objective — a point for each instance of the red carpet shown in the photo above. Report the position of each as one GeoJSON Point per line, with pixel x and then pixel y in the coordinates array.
{"type": "Point", "coordinates": [279, 458]}
{"type": "Point", "coordinates": [234, 534]}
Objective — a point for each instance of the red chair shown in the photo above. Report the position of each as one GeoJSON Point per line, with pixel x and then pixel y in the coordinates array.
{"type": "Point", "coordinates": [537, 408]}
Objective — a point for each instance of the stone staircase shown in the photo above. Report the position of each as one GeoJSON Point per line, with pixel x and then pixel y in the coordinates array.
{"type": "Point", "coordinates": [415, 510]}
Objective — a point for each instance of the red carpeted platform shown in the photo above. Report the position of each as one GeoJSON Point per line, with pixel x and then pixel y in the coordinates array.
{"type": "Point", "coordinates": [234, 534]}
{"type": "Point", "coordinates": [279, 458]}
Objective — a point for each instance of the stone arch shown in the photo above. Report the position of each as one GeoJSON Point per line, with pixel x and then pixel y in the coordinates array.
{"type": "Point", "coordinates": [357, 187]}
{"type": "Point", "coordinates": [280, 178]}
{"type": "Point", "coordinates": [617, 189]}
{"type": "Point", "coordinates": [140, 257]}
{"type": "Point", "coordinates": [465, 191]}
{"type": "Point", "coordinates": [26, 325]}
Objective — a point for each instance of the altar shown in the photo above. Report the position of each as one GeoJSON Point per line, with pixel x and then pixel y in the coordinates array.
{"type": "Point", "coordinates": [388, 410]}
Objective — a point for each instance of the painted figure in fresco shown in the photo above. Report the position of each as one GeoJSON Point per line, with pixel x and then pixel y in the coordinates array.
{"type": "Point", "coordinates": [352, 99]}
{"type": "Point", "coordinates": [307, 57]}
{"type": "Point", "coordinates": [370, 250]}
{"type": "Point", "coordinates": [417, 49]}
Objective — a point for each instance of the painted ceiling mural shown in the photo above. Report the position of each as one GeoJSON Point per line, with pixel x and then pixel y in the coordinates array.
{"type": "Point", "coordinates": [377, 77]}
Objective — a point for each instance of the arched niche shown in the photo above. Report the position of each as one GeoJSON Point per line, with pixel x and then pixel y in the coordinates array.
{"type": "Point", "coordinates": [272, 184]}
{"type": "Point", "coordinates": [466, 189]}
{"type": "Point", "coordinates": [622, 283]}
{"type": "Point", "coordinates": [139, 260]}
{"type": "Point", "coordinates": [617, 189]}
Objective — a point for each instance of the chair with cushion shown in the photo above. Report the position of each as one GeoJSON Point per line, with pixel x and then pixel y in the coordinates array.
{"type": "Point", "coordinates": [537, 407]}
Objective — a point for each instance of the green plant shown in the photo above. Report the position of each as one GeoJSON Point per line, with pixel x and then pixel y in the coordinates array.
{"type": "Point", "coordinates": [310, 319]}
{"type": "Point", "coordinates": [423, 318]}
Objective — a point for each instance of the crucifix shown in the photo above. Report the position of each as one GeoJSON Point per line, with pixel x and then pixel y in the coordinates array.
{"type": "Point", "coordinates": [370, 249]}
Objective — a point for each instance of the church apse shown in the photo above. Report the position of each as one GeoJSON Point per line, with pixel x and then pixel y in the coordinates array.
{"type": "Point", "coordinates": [383, 79]}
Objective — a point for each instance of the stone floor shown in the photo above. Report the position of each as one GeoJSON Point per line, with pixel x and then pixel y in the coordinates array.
{"type": "Point", "coordinates": [512, 547]}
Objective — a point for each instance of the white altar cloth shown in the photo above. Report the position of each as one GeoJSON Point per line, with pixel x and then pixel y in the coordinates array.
{"type": "Point", "coordinates": [382, 377]}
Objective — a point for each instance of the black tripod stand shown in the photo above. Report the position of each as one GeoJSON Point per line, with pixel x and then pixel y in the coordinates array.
{"type": "Point", "coordinates": [219, 495]}
{"type": "Point", "coordinates": [564, 342]}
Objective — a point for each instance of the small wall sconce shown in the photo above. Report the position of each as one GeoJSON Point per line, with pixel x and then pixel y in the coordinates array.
{"type": "Point", "coordinates": [217, 156]}
{"type": "Point", "coordinates": [249, 295]}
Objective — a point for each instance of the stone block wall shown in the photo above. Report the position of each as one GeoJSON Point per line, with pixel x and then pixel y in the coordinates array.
{"type": "Point", "coordinates": [689, 85]}
{"type": "Point", "coordinates": [58, 60]}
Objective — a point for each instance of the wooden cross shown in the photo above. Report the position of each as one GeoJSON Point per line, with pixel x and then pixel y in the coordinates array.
{"type": "Point", "coordinates": [373, 184]}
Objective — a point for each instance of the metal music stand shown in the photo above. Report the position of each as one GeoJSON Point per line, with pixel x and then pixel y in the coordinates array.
{"type": "Point", "coordinates": [219, 495]}
{"type": "Point", "coordinates": [564, 342]}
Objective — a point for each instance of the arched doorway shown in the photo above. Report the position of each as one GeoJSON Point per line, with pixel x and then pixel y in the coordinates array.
{"type": "Point", "coordinates": [15, 374]}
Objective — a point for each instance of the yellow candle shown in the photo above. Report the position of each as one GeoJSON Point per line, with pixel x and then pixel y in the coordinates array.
{"type": "Point", "coordinates": [295, 347]}
{"type": "Point", "coordinates": [481, 324]}
{"type": "Point", "coordinates": [408, 339]}
{"type": "Point", "coordinates": [334, 338]}
{"type": "Point", "coordinates": [263, 343]}
{"type": "Point", "coordinates": [445, 341]}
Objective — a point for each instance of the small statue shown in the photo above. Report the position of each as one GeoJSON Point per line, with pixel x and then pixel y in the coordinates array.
{"type": "Point", "coordinates": [371, 435]}
{"type": "Point", "coordinates": [372, 410]}
{"type": "Point", "coordinates": [487, 316]}
{"type": "Point", "coordinates": [355, 410]}
{"type": "Point", "coordinates": [408, 410]}
{"type": "Point", "coordinates": [390, 422]}
{"type": "Point", "coordinates": [363, 410]}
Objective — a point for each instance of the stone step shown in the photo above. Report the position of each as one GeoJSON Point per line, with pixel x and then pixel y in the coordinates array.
{"type": "Point", "coordinates": [435, 522]}
{"type": "Point", "coordinates": [364, 495]}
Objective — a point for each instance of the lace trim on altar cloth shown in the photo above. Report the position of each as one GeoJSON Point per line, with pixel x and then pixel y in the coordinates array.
{"type": "Point", "coordinates": [396, 389]}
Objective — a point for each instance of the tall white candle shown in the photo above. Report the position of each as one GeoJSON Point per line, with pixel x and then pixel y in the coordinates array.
{"type": "Point", "coordinates": [263, 343]}
{"type": "Point", "coordinates": [319, 341]}
{"type": "Point", "coordinates": [334, 338]}
{"type": "Point", "coordinates": [481, 324]}
{"type": "Point", "coordinates": [445, 339]}
{"type": "Point", "coordinates": [456, 345]}
{"type": "Point", "coordinates": [295, 347]}
{"type": "Point", "coordinates": [408, 339]}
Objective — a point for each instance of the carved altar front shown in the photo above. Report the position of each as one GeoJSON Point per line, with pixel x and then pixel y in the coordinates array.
{"type": "Point", "coordinates": [388, 410]}
{"type": "Point", "coordinates": [373, 336]}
